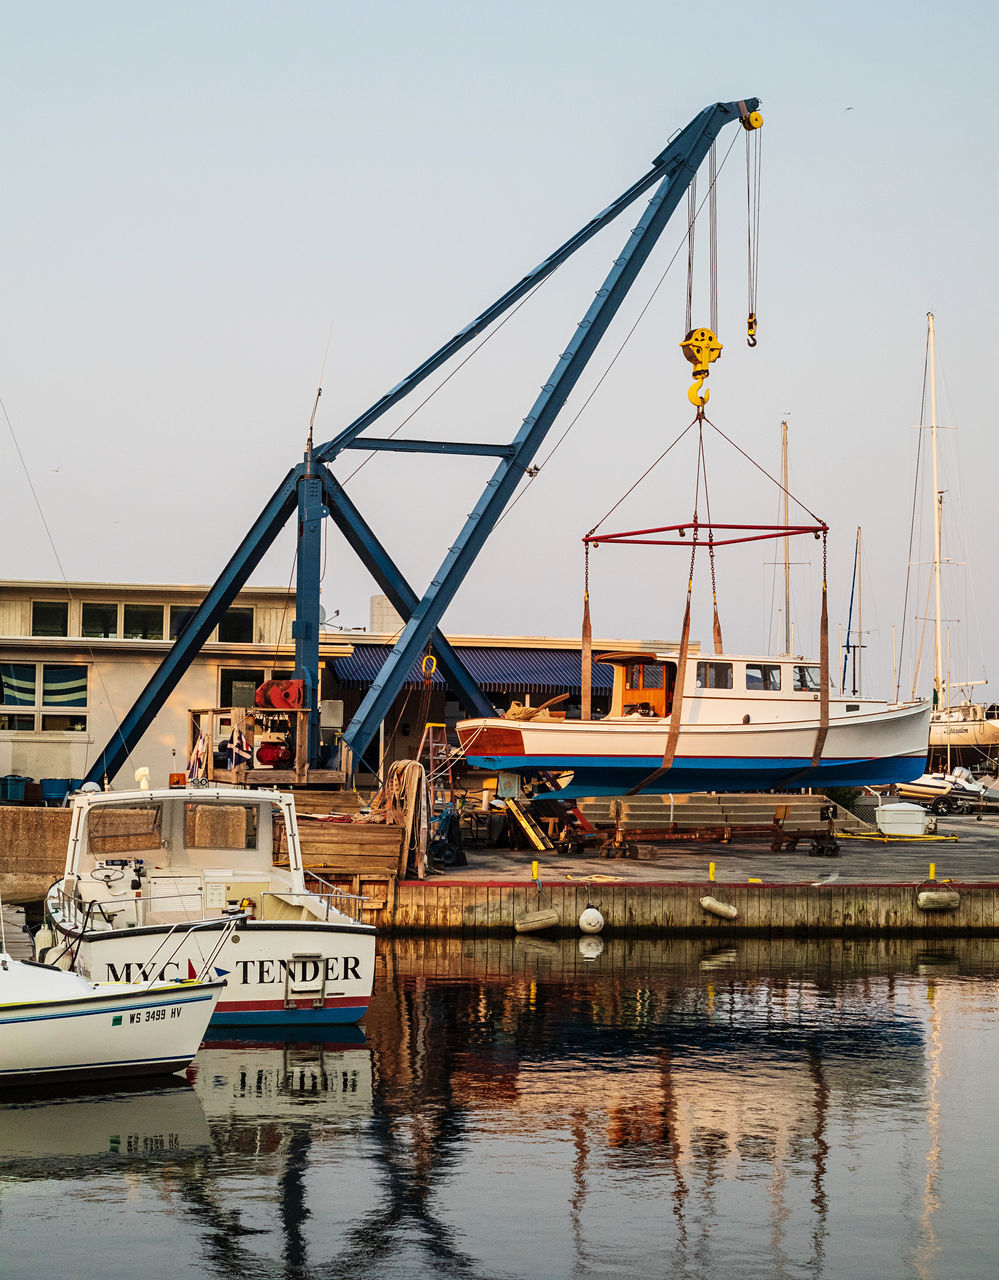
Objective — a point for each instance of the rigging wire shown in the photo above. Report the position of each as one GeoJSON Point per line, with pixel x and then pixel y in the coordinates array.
{"type": "Point", "coordinates": [69, 592]}
{"type": "Point", "coordinates": [460, 365]}
{"type": "Point", "coordinates": [912, 530]}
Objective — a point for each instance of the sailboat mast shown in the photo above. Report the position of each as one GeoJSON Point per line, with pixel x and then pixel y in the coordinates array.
{"type": "Point", "coordinates": [787, 548]}
{"type": "Point", "coordinates": [860, 616]}
{"type": "Point", "coordinates": [937, 511]}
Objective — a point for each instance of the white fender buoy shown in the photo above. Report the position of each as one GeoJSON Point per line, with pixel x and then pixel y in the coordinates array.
{"type": "Point", "coordinates": [44, 939]}
{"type": "Point", "coordinates": [938, 900]}
{"type": "Point", "coordinates": [591, 921]}
{"type": "Point", "coordinates": [716, 908]}
{"type": "Point", "coordinates": [590, 948]}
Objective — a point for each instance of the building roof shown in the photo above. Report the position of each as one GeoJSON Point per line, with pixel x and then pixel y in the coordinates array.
{"type": "Point", "coordinates": [495, 669]}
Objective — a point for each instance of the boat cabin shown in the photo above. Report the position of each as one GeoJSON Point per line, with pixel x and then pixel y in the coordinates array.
{"type": "Point", "coordinates": [145, 858]}
{"type": "Point", "coordinates": [644, 682]}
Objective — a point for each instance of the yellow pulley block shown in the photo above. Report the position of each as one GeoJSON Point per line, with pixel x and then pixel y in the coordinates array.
{"type": "Point", "coordinates": [751, 120]}
{"type": "Point", "coordinates": [701, 348]}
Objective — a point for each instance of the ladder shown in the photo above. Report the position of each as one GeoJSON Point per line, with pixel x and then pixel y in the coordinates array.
{"type": "Point", "coordinates": [435, 756]}
{"type": "Point", "coordinates": [525, 822]}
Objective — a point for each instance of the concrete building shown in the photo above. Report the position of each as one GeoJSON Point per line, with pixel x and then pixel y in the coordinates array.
{"type": "Point", "coordinates": [75, 656]}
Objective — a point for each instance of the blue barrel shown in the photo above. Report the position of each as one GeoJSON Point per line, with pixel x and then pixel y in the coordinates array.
{"type": "Point", "coordinates": [54, 790]}
{"type": "Point", "coordinates": [13, 786]}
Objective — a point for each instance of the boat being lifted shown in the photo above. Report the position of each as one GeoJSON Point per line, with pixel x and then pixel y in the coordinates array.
{"type": "Point", "coordinates": [746, 724]}
{"type": "Point", "coordinates": [690, 721]}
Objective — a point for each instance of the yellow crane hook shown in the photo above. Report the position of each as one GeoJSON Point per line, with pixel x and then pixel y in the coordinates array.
{"type": "Point", "coordinates": [701, 347]}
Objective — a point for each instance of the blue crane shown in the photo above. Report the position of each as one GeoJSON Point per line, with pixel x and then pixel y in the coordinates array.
{"type": "Point", "coordinates": [311, 489]}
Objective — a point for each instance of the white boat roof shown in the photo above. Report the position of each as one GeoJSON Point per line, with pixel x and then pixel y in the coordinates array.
{"type": "Point", "coordinates": [236, 795]}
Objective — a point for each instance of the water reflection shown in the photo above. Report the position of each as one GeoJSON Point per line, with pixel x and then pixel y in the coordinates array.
{"type": "Point", "coordinates": [521, 1106]}
{"type": "Point", "coordinates": [47, 1135]}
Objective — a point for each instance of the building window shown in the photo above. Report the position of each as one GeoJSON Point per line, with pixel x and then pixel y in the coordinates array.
{"type": "Point", "coordinates": [143, 622]}
{"type": "Point", "coordinates": [236, 626]}
{"type": "Point", "coordinates": [99, 621]}
{"type": "Point", "coordinates": [237, 687]}
{"type": "Point", "coordinates": [180, 616]}
{"type": "Point", "coordinates": [51, 697]}
{"type": "Point", "coordinates": [49, 618]}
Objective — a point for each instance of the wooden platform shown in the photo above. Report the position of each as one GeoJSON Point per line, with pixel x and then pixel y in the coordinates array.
{"type": "Point", "coordinates": [738, 813]}
{"type": "Point", "coordinates": [364, 859]}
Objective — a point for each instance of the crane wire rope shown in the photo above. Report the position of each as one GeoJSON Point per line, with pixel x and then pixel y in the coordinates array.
{"type": "Point", "coordinates": [536, 471]}
{"type": "Point", "coordinates": [754, 165]}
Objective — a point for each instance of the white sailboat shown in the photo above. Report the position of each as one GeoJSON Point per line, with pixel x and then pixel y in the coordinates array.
{"type": "Point", "coordinates": [963, 732]}
{"type": "Point", "coordinates": [56, 1026]}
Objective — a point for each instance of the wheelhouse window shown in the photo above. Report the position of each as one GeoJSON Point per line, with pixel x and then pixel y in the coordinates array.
{"type": "Point", "coordinates": [142, 621]}
{"type": "Point", "coordinates": [45, 696]}
{"type": "Point", "coordinates": [714, 675]}
{"type": "Point", "coordinates": [99, 621]}
{"type": "Point", "coordinates": [49, 618]}
{"type": "Point", "coordinates": [763, 675]}
{"type": "Point", "coordinates": [808, 679]}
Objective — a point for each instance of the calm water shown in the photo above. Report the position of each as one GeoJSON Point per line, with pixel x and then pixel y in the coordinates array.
{"type": "Point", "coordinates": [525, 1109]}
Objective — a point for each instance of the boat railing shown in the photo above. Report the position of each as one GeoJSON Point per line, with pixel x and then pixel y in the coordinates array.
{"type": "Point", "coordinates": [333, 898]}
{"type": "Point", "coordinates": [79, 917]}
{"type": "Point", "coordinates": [182, 932]}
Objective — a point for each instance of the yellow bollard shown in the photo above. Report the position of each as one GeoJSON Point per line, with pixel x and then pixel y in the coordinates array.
{"type": "Point", "coordinates": [711, 870]}
{"type": "Point", "coordinates": [933, 870]}
{"type": "Point", "coordinates": [754, 880]}
{"type": "Point", "coordinates": [534, 871]}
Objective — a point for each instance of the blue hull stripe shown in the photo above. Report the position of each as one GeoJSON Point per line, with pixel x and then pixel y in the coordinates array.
{"type": "Point", "coordinates": [289, 1017]}
{"type": "Point", "coordinates": [610, 775]}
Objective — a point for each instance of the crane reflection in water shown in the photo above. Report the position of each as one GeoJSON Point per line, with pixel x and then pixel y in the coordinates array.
{"type": "Point", "coordinates": [627, 1108]}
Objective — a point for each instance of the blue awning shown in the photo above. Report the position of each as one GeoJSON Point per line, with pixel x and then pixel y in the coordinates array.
{"type": "Point", "coordinates": [494, 669]}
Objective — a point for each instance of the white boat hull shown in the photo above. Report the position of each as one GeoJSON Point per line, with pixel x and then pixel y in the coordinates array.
{"type": "Point", "coordinates": [611, 756]}
{"type": "Point", "coordinates": [120, 1032]}
{"type": "Point", "coordinates": [274, 973]}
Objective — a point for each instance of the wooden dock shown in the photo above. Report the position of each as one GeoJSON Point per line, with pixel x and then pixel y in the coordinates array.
{"type": "Point", "coordinates": [650, 909]}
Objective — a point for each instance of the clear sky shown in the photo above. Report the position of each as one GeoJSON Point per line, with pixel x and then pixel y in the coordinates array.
{"type": "Point", "coordinates": [194, 193]}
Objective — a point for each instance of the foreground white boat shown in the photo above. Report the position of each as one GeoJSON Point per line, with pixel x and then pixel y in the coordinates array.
{"type": "Point", "coordinates": [747, 724]}
{"type": "Point", "coordinates": [56, 1026]}
{"type": "Point", "coordinates": [142, 863]}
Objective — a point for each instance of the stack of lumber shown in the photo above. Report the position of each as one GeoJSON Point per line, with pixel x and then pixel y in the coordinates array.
{"type": "Point", "coordinates": [323, 802]}
{"type": "Point", "coordinates": [719, 815]}
{"type": "Point", "coordinates": [361, 858]}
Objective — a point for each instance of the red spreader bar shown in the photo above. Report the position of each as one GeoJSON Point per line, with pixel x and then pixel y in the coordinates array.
{"type": "Point", "coordinates": [749, 532]}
